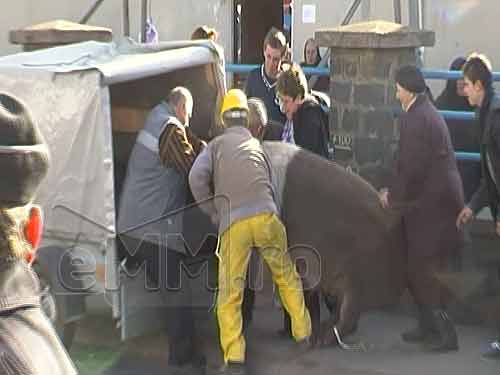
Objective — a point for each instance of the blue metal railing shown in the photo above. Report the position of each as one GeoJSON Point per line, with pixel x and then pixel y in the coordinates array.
{"type": "Point", "coordinates": [469, 156]}
{"type": "Point", "coordinates": [428, 74]}
{"type": "Point", "coordinates": [457, 115]}
{"type": "Point", "coordinates": [247, 68]}
{"type": "Point", "coordinates": [449, 74]}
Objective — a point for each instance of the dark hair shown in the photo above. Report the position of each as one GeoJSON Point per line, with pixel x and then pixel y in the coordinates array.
{"type": "Point", "coordinates": [410, 78]}
{"type": "Point", "coordinates": [318, 56]}
{"type": "Point", "coordinates": [449, 99]}
{"type": "Point", "coordinates": [276, 40]}
{"type": "Point", "coordinates": [292, 82]}
{"type": "Point", "coordinates": [478, 68]}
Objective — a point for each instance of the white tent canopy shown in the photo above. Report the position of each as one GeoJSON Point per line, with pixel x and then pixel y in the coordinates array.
{"type": "Point", "coordinates": [66, 91]}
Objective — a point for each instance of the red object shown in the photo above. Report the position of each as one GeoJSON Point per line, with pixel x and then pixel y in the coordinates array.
{"type": "Point", "coordinates": [33, 231]}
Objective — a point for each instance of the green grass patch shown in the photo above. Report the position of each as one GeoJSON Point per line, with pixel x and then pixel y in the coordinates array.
{"type": "Point", "coordinates": [93, 360]}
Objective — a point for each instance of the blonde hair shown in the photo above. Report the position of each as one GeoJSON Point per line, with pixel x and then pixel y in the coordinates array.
{"type": "Point", "coordinates": [12, 241]}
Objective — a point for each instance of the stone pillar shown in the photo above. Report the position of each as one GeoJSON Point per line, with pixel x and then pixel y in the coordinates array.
{"type": "Point", "coordinates": [56, 33]}
{"type": "Point", "coordinates": [364, 59]}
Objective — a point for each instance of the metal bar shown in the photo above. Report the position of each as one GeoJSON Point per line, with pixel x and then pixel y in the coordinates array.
{"type": "Point", "coordinates": [458, 115]}
{"type": "Point", "coordinates": [397, 11]}
{"type": "Point", "coordinates": [322, 71]}
{"type": "Point", "coordinates": [471, 156]}
{"type": "Point", "coordinates": [247, 68]}
{"type": "Point", "coordinates": [449, 74]}
{"type": "Point", "coordinates": [144, 18]}
{"type": "Point", "coordinates": [414, 16]}
{"type": "Point", "coordinates": [365, 9]}
{"type": "Point", "coordinates": [351, 12]}
{"type": "Point", "coordinates": [126, 18]}
{"type": "Point", "coordinates": [91, 11]}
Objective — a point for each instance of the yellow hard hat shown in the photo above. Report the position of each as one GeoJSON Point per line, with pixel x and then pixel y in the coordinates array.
{"type": "Point", "coordinates": [235, 99]}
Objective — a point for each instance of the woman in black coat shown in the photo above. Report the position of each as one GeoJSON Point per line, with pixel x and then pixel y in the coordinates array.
{"type": "Point", "coordinates": [464, 134]}
{"type": "Point", "coordinates": [305, 125]}
{"type": "Point", "coordinates": [428, 190]}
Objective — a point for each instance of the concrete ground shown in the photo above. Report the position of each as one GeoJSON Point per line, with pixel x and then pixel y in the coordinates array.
{"type": "Point", "coordinates": [98, 350]}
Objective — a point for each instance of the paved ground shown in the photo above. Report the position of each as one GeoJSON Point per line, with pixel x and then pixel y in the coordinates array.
{"type": "Point", "coordinates": [98, 350]}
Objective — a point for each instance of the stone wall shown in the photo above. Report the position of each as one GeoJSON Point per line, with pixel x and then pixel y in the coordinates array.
{"type": "Point", "coordinates": [363, 121]}
{"type": "Point", "coordinates": [364, 105]}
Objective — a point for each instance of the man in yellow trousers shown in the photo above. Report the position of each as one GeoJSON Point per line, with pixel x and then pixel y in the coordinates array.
{"type": "Point", "coordinates": [235, 170]}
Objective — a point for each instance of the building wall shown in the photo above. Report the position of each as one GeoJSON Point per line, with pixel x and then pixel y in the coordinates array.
{"type": "Point", "coordinates": [461, 26]}
{"type": "Point", "coordinates": [173, 19]}
{"type": "Point", "coordinates": [330, 13]}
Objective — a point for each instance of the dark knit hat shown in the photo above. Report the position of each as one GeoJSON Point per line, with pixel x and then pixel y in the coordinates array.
{"type": "Point", "coordinates": [410, 78]}
{"type": "Point", "coordinates": [24, 158]}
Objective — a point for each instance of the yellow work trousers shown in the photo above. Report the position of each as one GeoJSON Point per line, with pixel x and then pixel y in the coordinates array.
{"type": "Point", "coordinates": [266, 233]}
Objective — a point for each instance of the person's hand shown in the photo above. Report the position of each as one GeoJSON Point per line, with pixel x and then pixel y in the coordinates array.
{"type": "Point", "coordinates": [498, 228]}
{"type": "Point", "coordinates": [383, 196]}
{"type": "Point", "coordinates": [464, 217]}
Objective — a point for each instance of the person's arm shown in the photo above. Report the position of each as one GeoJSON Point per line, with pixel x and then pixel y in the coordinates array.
{"type": "Point", "coordinates": [480, 197]}
{"type": "Point", "coordinates": [314, 138]}
{"type": "Point", "coordinates": [175, 149]}
{"type": "Point", "coordinates": [321, 134]}
{"type": "Point", "coordinates": [201, 181]}
{"type": "Point", "coordinates": [196, 142]}
{"type": "Point", "coordinates": [495, 157]}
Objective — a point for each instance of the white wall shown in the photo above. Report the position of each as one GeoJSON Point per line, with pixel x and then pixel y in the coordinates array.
{"type": "Point", "coordinates": [461, 26]}
{"type": "Point", "coordinates": [174, 19]}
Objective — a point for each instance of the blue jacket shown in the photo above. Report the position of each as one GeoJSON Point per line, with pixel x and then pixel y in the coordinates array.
{"type": "Point", "coordinates": [257, 88]}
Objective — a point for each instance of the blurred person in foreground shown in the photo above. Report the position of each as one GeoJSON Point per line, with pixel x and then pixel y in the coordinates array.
{"type": "Point", "coordinates": [29, 344]}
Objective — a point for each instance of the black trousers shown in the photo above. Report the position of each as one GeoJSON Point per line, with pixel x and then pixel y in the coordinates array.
{"type": "Point", "coordinates": [163, 267]}
{"type": "Point", "coordinates": [423, 281]}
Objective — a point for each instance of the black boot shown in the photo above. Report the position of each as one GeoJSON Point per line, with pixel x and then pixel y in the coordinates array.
{"type": "Point", "coordinates": [230, 368]}
{"type": "Point", "coordinates": [286, 331]}
{"type": "Point", "coordinates": [447, 339]}
{"type": "Point", "coordinates": [426, 328]}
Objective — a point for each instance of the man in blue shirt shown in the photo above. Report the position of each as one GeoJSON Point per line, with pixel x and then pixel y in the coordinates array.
{"type": "Point", "coordinates": [261, 81]}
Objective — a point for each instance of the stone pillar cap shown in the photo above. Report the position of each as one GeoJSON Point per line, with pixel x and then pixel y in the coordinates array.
{"type": "Point", "coordinates": [59, 32]}
{"type": "Point", "coordinates": [374, 34]}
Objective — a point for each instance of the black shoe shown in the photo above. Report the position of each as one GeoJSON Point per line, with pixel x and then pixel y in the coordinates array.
{"type": "Point", "coordinates": [416, 334]}
{"type": "Point", "coordinates": [303, 346]}
{"type": "Point", "coordinates": [425, 330]}
{"type": "Point", "coordinates": [447, 339]}
{"type": "Point", "coordinates": [231, 368]}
